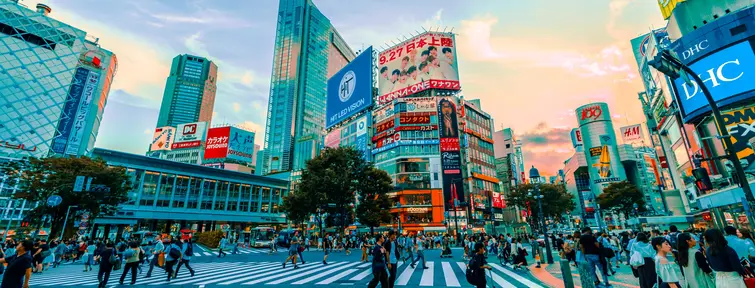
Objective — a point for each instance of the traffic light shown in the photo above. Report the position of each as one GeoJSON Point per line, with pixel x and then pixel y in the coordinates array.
{"type": "Point", "coordinates": [702, 179]}
{"type": "Point", "coordinates": [25, 224]}
{"type": "Point", "coordinates": [664, 66]}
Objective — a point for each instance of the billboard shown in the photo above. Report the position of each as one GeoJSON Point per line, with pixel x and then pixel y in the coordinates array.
{"type": "Point", "coordinates": [414, 118]}
{"type": "Point", "coordinates": [450, 156]}
{"type": "Point", "coordinates": [67, 117]}
{"type": "Point", "coordinates": [383, 113]}
{"type": "Point", "coordinates": [741, 126]}
{"type": "Point", "coordinates": [424, 62]}
{"type": "Point", "coordinates": [350, 89]}
{"type": "Point", "coordinates": [420, 104]}
{"type": "Point", "coordinates": [189, 135]}
{"type": "Point", "coordinates": [592, 113]}
{"type": "Point", "coordinates": [667, 6]}
{"type": "Point", "coordinates": [631, 133]}
{"type": "Point", "coordinates": [240, 145]}
{"type": "Point", "coordinates": [333, 139]}
{"type": "Point", "coordinates": [729, 75]}
{"type": "Point", "coordinates": [362, 142]}
{"type": "Point", "coordinates": [601, 150]}
{"type": "Point", "coordinates": [498, 201]}
{"type": "Point", "coordinates": [82, 113]}
{"type": "Point", "coordinates": [576, 137]}
{"type": "Point", "coordinates": [640, 44]}
{"type": "Point", "coordinates": [216, 145]}
{"type": "Point", "coordinates": [163, 138]}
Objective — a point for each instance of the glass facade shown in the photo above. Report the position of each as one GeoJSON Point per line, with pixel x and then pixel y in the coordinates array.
{"type": "Point", "coordinates": [38, 58]}
{"type": "Point", "coordinates": [307, 51]}
{"type": "Point", "coordinates": [189, 92]}
{"type": "Point", "coordinates": [177, 191]}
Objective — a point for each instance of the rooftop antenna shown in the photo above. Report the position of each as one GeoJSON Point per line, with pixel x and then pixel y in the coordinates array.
{"type": "Point", "coordinates": [444, 29]}
{"type": "Point", "coordinates": [452, 30]}
{"type": "Point", "coordinates": [423, 28]}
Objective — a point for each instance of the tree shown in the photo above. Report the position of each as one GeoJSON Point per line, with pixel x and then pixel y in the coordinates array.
{"type": "Point", "coordinates": [374, 206]}
{"type": "Point", "coordinates": [556, 200]}
{"type": "Point", "coordinates": [621, 197]}
{"type": "Point", "coordinates": [295, 206]}
{"type": "Point", "coordinates": [39, 179]}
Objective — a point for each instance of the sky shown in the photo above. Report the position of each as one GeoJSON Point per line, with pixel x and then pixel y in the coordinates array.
{"type": "Point", "coordinates": [530, 62]}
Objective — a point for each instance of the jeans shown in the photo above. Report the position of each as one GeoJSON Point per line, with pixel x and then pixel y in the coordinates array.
{"type": "Point", "coordinates": [220, 252]}
{"type": "Point", "coordinates": [420, 254]}
{"type": "Point", "coordinates": [235, 249]}
{"type": "Point", "coordinates": [130, 266]}
{"type": "Point", "coordinates": [392, 276]}
{"type": "Point", "coordinates": [152, 264]}
{"type": "Point", "coordinates": [184, 262]}
{"type": "Point", "coordinates": [102, 277]}
{"type": "Point", "coordinates": [301, 258]}
{"type": "Point", "coordinates": [593, 261]}
{"type": "Point", "coordinates": [409, 254]}
{"type": "Point", "coordinates": [379, 276]}
{"type": "Point", "coordinates": [169, 267]}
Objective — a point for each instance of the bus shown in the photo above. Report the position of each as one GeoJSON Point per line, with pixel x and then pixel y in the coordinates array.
{"type": "Point", "coordinates": [262, 236]}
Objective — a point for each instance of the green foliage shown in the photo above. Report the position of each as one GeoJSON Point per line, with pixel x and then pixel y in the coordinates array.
{"type": "Point", "coordinates": [209, 238]}
{"type": "Point", "coordinates": [556, 200]}
{"type": "Point", "coordinates": [374, 207]}
{"type": "Point", "coordinates": [296, 207]}
{"type": "Point", "coordinates": [41, 178]}
{"type": "Point", "coordinates": [621, 197]}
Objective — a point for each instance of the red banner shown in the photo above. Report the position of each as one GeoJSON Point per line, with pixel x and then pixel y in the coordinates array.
{"type": "Point", "coordinates": [390, 132]}
{"type": "Point", "coordinates": [384, 126]}
{"type": "Point", "coordinates": [449, 144]}
{"type": "Point", "coordinates": [182, 145]}
{"type": "Point", "coordinates": [414, 119]}
{"type": "Point", "coordinates": [217, 143]}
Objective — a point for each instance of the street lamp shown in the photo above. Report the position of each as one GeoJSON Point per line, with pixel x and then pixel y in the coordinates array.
{"type": "Point", "coordinates": [670, 66]}
{"type": "Point", "coordinates": [535, 177]}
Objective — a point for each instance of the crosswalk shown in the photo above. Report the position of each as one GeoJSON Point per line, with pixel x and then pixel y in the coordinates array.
{"type": "Point", "coordinates": [233, 274]}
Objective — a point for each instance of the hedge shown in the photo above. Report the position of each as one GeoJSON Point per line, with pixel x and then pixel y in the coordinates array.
{"type": "Point", "coordinates": [210, 238]}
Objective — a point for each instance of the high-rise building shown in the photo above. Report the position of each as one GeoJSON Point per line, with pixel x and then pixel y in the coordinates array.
{"type": "Point", "coordinates": [189, 92]}
{"type": "Point", "coordinates": [308, 50]}
{"type": "Point", "coordinates": [509, 165]}
{"type": "Point", "coordinates": [54, 82]}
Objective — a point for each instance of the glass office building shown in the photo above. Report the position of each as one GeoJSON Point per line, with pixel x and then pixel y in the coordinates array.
{"type": "Point", "coordinates": [189, 92]}
{"type": "Point", "coordinates": [39, 57]}
{"type": "Point", "coordinates": [169, 195]}
{"type": "Point", "coordinates": [308, 50]}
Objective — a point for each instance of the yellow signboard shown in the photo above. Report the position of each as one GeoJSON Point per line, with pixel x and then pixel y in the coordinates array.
{"type": "Point", "coordinates": [667, 6]}
{"type": "Point", "coordinates": [740, 124]}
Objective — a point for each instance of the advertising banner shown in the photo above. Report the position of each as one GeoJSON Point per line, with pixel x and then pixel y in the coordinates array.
{"type": "Point", "coordinates": [450, 157]}
{"type": "Point", "coordinates": [80, 120]}
{"type": "Point", "coordinates": [189, 135]}
{"type": "Point", "coordinates": [601, 150]}
{"type": "Point", "coordinates": [162, 138]}
{"type": "Point", "coordinates": [240, 145]}
{"type": "Point", "coordinates": [640, 45]}
{"type": "Point", "coordinates": [592, 113]}
{"type": "Point", "coordinates": [383, 113]}
{"type": "Point", "coordinates": [576, 137]}
{"type": "Point", "coordinates": [333, 139]}
{"type": "Point", "coordinates": [667, 6]}
{"type": "Point", "coordinates": [605, 170]}
{"type": "Point", "coordinates": [350, 89]}
{"type": "Point", "coordinates": [729, 75]}
{"type": "Point", "coordinates": [362, 138]}
{"type": "Point", "coordinates": [391, 132]}
{"type": "Point", "coordinates": [631, 133]}
{"type": "Point", "coordinates": [67, 116]}
{"type": "Point", "coordinates": [396, 143]}
{"type": "Point", "coordinates": [741, 126]}
{"type": "Point", "coordinates": [497, 200]}
{"type": "Point", "coordinates": [426, 61]}
{"type": "Point", "coordinates": [217, 142]}
{"type": "Point", "coordinates": [412, 118]}
{"type": "Point", "coordinates": [384, 126]}
{"type": "Point", "coordinates": [420, 104]}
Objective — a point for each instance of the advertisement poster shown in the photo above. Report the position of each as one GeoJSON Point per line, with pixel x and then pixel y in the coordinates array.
{"type": "Point", "coordinates": [497, 200]}
{"type": "Point", "coordinates": [632, 133]}
{"type": "Point", "coordinates": [741, 126]}
{"type": "Point", "coordinates": [240, 145]}
{"type": "Point", "coordinates": [362, 138]}
{"type": "Point", "coordinates": [350, 89]}
{"type": "Point", "coordinates": [576, 137]}
{"type": "Point", "coordinates": [162, 138]}
{"type": "Point", "coordinates": [189, 135]}
{"type": "Point", "coordinates": [383, 113]}
{"type": "Point", "coordinates": [603, 167]}
{"type": "Point", "coordinates": [450, 157]}
{"type": "Point", "coordinates": [426, 61]}
{"type": "Point", "coordinates": [420, 104]}
{"type": "Point", "coordinates": [333, 139]}
{"type": "Point", "coordinates": [413, 118]}
{"type": "Point", "coordinates": [217, 143]}
{"type": "Point", "coordinates": [731, 72]}
{"type": "Point", "coordinates": [80, 120]}
{"type": "Point", "coordinates": [69, 110]}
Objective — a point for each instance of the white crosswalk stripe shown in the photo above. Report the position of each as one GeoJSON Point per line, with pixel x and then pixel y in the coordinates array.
{"type": "Point", "coordinates": [439, 273]}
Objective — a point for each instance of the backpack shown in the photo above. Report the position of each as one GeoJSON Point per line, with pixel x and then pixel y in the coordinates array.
{"type": "Point", "coordinates": [471, 272]}
{"type": "Point", "coordinates": [673, 239]}
{"type": "Point", "coordinates": [174, 253]}
{"type": "Point", "coordinates": [142, 255]}
{"type": "Point", "coordinates": [190, 249]}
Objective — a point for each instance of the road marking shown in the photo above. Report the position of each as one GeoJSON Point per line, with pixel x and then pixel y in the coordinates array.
{"type": "Point", "coordinates": [428, 275]}
{"type": "Point", "coordinates": [405, 276]}
{"type": "Point", "coordinates": [337, 277]}
{"type": "Point", "coordinates": [448, 273]}
{"type": "Point", "coordinates": [315, 277]}
{"type": "Point", "coordinates": [516, 277]}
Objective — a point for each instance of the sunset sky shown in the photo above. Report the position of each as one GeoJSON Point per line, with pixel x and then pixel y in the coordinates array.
{"type": "Point", "coordinates": [530, 62]}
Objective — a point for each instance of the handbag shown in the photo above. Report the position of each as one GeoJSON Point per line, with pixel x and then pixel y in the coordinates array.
{"type": "Point", "coordinates": [749, 282]}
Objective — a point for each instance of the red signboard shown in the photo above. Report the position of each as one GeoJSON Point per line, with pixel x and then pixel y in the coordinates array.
{"type": "Point", "coordinates": [497, 200]}
{"type": "Point", "coordinates": [384, 126]}
{"type": "Point", "coordinates": [406, 119]}
{"type": "Point", "coordinates": [190, 144]}
{"type": "Point", "coordinates": [449, 144]}
{"type": "Point", "coordinates": [217, 143]}
{"type": "Point", "coordinates": [390, 132]}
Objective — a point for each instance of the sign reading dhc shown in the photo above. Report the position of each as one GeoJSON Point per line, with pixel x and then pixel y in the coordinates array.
{"type": "Point", "coordinates": [727, 73]}
{"type": "Point", "coordinates": [350, 89]}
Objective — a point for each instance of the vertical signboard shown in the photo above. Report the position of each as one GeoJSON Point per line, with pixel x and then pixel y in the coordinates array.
{"type": "Point", "coordinates": [162, 139]}
{"type": "Point", "coordinates": [576, 137]}
{"type": "Point", "coordinates": [217, 143]}
{"type": "Point", "coordinates": [741, 126]}
{"type": "Point", "coordinates": [67, 117]}
{"type": "Point", "coordinates": [240, 145]}
{"type": "Point", "coordinates": [450, 156]}
{"type": "Point", "coordinates": [189, 135]}
{"type": "Point", "coordinates": [601, 149]}
{"type": "Point", "coordinates": [427, 61]}
{"type": "Point", "coordinates": [350, 90]}
{"type": "Point", "coordinates": [80, 121]}
{"type": "Point", "coordinates": [362, 143]}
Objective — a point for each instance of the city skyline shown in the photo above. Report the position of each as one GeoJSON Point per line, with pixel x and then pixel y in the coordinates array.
{"type": "Point", "coordinates": [590, 60]}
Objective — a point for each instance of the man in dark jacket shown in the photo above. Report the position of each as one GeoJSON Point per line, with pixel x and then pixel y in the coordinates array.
{"type": "Point", "coordinates": [103, 275]}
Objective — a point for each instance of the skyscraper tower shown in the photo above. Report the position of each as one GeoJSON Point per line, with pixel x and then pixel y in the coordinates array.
{"type": "Point", "coordinates": [189, 92]}
{"type": "Point", "coordinates": [308, 50]}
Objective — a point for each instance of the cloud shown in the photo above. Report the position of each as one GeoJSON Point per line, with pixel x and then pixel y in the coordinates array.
{"type": "Point", "coordinates": [147, 131]}
{"type": "Point", "coordinates": [259, 132]}
{"type": "Point", "coordinates": [546, 147]}
{"type": "Point", "coordinates": [236, 107]}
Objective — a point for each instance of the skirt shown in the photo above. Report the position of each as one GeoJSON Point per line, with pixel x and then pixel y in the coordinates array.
{"type": "Point", "coordinates": [729, 280]}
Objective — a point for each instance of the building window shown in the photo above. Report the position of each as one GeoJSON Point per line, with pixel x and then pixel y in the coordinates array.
{"type": "Point", "coordinates": [244, 199]}
{"type": "Point", "coordinates": [208, 192]}
{"type": "Point", "coordinates": [166, 189]}
{"type": "Point", "coordinates": [182, 187]}
{"type": "Point", "coordinates": [149, 188]}
{"type": "Point", "coordinates": [221, 196]}
{"type": "Point", "coordinates": [195, 187]}
{"type": "Point", "coordinates": [233, 196]}
{"type": "Point", "coordinates": [255, 199]}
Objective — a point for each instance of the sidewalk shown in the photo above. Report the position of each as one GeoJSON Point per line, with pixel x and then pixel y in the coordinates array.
{"type": "Point", "coordinates": [551, 275]}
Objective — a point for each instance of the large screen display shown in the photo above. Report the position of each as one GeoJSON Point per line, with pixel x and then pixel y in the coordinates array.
{"type": "Point", "coordinates": [350, 90]}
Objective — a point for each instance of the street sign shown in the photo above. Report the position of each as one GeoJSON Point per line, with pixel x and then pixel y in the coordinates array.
{"type": "Point", "coordinates": [99, 188]}
{"type": "Point", "coordinates": [83, 225]}
{"type": "Point", "coordinates": [54, 200]}
{"type": "Point", "coordinates": [89, 183]}
{"type": "Point", "coordinates": [78, 186]}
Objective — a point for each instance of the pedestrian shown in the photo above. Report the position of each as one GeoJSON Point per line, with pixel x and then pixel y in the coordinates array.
{"type": "Point", "coordinates": [235, 247]}
{"type": "Point", "coordinates": [696, 271]}
{"type": "Point", "coordinates": [394, 253]}
{"type": "Point", "coordinates": [156, 251]}
{"type": "Point", "coordinates": [103, 274]}
{"type": "Point", "coordinates": [89, 259]}
{"type": "Point", "coordinates": [478, 264]}
{"type": "Point", "coordinates": [591, 251]}
{"type": "Point", "coordinates": [410, 243]}
{"type": "Point", "coordinates": [131, 256]}
{"type": "Point", "coordinates": [723, 259]}
{"type": "Point", "coordinates": [60, 252]}
{"type": "Point", "coordinates": [585, 277]}
{"type": "Point", "coordinates": [187, 251]}
{"type": "Point", "coordinates": [172, 256]}
{"type": "Point", "coordinates": [669, 274]}
{"type": "Point", "coordinates": [221, 245]}
{"type": "Point", "coordinates": [325, 247]}
{"type": "Point", "coordinates": [365, 247]}
{"type": "Point", "coordinates": [420, 253]}
{"type": "Point", "coordinates": [379, 261]}
{"type": "Point", "coordinates": [645, 270]}
{"type": "Point", "coordinates": [299, 250]}
{"type": "Point", "coordinates": [19, 266]}
{"type": "Point", "coordinates": [293, 251]}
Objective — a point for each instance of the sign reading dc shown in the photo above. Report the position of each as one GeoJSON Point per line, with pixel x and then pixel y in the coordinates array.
{"type": "Point", "coordinates": [350, 90]}
{"type": "Point", "coordinates": [729, 75]}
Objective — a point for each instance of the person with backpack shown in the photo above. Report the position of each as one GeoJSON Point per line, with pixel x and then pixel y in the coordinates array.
{"type": "Point", "coordinates": [187, 250]}
{"type": "Point", "coordinates": [131, 256]}
{"type": "Point", "coordinates": [379, 260]}
{"type": "Point", "coordinates": [106, 265]}
{"type": "Point", "coordinates": [157, 249]}
{"type": "Point", "coordinates": [673, 236]}
{"type": "Point", "coordinates": [172, 256]}
{"type": "Point", "coordinates": [475, 271]}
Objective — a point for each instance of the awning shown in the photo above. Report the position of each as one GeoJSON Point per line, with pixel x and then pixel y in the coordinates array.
{"type": "Point", "coordinates": [441, 228]}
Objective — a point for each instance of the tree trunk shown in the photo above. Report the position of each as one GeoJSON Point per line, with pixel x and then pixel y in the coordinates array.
{"type": "Point", "coordinates": [372, 230]}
